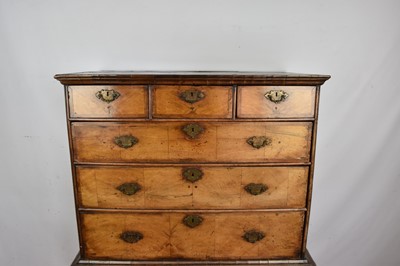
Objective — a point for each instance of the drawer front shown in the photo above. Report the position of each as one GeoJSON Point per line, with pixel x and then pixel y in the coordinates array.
{"type": "Point", "coordinates": [192, 187]}
{"type": "Point", "coordinates": [192, 142]}
{"type": "Point", "coordinates": [275, 102]}
{"type": "Point", "coordinates": [108, 101]}
{"type": "Point", "coordinates": [192, 102]}
{"type": "Point", "coordinates": [237, 235]}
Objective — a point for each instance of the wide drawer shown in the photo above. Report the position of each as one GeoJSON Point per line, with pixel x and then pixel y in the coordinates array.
{"type": "Point", "coordinates": [108, 101]}
{"type": "Point", "coordinates": [192, 101]}
{"type": "Point", "coordinates": [224, 235]}
{"type": "Point", "coordinates": [192, 142]}
{"type": "Point", "coordinates": [192, 187]}
{"type": "Point", "coordinates": [276, 102]}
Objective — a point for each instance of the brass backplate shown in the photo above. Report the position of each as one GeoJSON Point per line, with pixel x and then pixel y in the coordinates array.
{"type": "Point", "coordinates": [192, 96]}
{"type": "Point", "coordinates": [253, 236]}
{"type": "Point", "coordinates": [192, 130]}
{"type": "Point", "coordinates": [129, 188]}
{"type": "Point", "coordinates": [192, 220]}
{"type": "Point", "coordinates": [131, 236]}
{"type": "Point", "coordinates": [107, 95]}
{"type": "Point", "coordinates": [276, 96]}
{"type": "Point", "coordinates": [125, 141]}
{"type": "Point", "coordinates": [192, 174]}
{"type": "Point", "coordinates": [259, 141]}
{"type": "Point", "coordinates": [255, 189]}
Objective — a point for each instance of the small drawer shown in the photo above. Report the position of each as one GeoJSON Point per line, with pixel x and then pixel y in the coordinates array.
{"type": "Point", "coordinates": [192, 141]}
{"type": "Point", "coordinates": [108, 101]}
{"type": "Point", "coordinates": [276, 102]}
{"type": "Point", "coordinates": [192, 187]}
{"type": "Point", "coordinates": [186, 235]}
{"type": "Point", "coordinates": [192, 102]}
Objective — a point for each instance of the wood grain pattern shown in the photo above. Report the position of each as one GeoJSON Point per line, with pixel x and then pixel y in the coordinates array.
{"type": "Point", "coordinates": [220, 187]}
{"type": "Point", "coordinates": [220, 142]}
{"type": "Point", "coordinates": [234, 110]}
{"type": "Point", "coordinates": [217, 102]}
{"type": "Point", "coordinates": [219, 236]}
{"type": "Point", "coordinates": [252, 102]}
{"type": "Point", "coordinates": [132, 102]}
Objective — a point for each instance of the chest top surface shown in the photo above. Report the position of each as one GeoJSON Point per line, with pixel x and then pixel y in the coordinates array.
{"type": "Point", "coordinates": [191, 78]}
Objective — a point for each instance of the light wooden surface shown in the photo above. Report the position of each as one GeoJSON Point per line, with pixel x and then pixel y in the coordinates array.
{"type": "Point", "coordinates": [219, 236]}
{"type": "Point", "coordinates": [151, 109]}
{"type": "Point", "coordinates": [220, 142]}
{"type": "Point", "coordinates": [132, 102]}
{"type": "Point", "coordinates": [219, 188]}
{"type": "Point", "coordinates": [217, 102]}
{"type": "Point", "coordinates": [252, 102]}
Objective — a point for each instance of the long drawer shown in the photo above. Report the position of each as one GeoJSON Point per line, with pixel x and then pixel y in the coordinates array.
{"type": "Point", "coordinates": [179, 235]}
{"type": "Point", "coordinates": [192, 142]}
{"type": "Point", "coordinates": [192, 187]}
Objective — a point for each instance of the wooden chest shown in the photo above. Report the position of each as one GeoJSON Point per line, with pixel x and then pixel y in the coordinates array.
{"type": "Point", "coordinates": [192, 167]}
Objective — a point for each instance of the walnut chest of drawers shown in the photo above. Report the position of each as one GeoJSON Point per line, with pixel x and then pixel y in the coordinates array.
{"type": "Point", "coordinates": [191, 168]}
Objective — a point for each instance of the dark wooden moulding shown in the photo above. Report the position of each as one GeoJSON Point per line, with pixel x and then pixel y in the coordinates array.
{"type": "Point", "coordinates": [233, 79]}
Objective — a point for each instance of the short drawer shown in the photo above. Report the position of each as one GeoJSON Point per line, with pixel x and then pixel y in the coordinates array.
{"type": "Point", "coordinates": [192, 102]}
{"type": "Point", "coordinates": [192, 187]}
{"type": "Point", "coordinates": [108, 101]}
{"type": "Point", "coordinates": [192, 142]}
{"type": "Point", "coordinates": [276, 102]}
{"type": "Point", "coordinates": [185, 235]}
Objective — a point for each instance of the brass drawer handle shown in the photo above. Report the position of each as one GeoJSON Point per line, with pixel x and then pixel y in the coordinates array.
{"type": "Point", "coordinates": [107, 95]}
{"type": "Point", "coordinates": [259, 141]}
{"type": "Point", "coordinates": [192, 96]}
{"type": "Point", "coordinates": [192, 174]}
{"type": "Point", "coordinates": [129, 188]}
{"type": "Point", "coordinates": [125, 141]}
{"type": "Point", "coordinates": [193, 130]}
{"type": "Point", "coordinates": [131, 236]}
{"type": "Point", "coordinates": [192, 220]}
{"type": "Point", "coordinates": [253, 236]}
{"type": "Point", "coordinates": [255, 189]}
{"type": "Point", "coordinates": [276, 96]}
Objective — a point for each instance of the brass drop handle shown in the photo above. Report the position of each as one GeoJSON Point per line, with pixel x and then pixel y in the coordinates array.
{"type": "Point", "coordinates": [276, 96]}
{"type": "Point", "coordinates": [107, 95]}
{"type": "Point", "coordinates": [192, 130]}
{"type": "Point", "coordinates": [125, 141]}
{"type": "Point", "coordinates": [259, 141]}
{"type": "Point", "coordinates": [192, 96]}
{"type": "Point", "coordinates": [129, 188]}
{"type": "Point", "coordinates": [253, 236]}
{"type": "Point", "coordinates": [192, 174]}
{"type": "Point", "coordinates": [131, 236]}
{"type": "Point", "coordinates": [255, 189]}
{"type": "Point", "coordinates": [192, 220]}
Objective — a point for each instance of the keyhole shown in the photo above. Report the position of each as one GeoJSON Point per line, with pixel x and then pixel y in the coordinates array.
{"type": "Point", "coordinates": [192, 220]}
{"type": "Point", "coordinates": [191, 94]}
{"type": "Point", "coordinates": [192, 129]}
{"type": "Point", "coordinates": [276, 94]}
{"type": "Point", "coordinates": [107, 93]}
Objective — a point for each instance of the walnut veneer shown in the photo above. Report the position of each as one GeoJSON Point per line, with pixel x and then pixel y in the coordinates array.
{"type": "Point", "coordinates": [189, 168]}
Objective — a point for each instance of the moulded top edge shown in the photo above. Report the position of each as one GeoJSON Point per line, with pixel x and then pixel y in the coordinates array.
{"type": "Point", "coordinates": [190, 78]}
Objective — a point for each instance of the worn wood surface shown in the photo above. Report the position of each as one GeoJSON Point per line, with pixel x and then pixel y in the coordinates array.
{"type": "Point", "coordinates": [165, 187]}
{"type": "Point", "coordinates": [219, 142]}
{"type": "Point", "coordinates": [217, 102]}
{"type": "Point", "coordinates": [219, 236]}
{"type": "Point", "coordinates": [252, 102]}
{"type": "Point", "coordinates": [132, 102]}
{"type": "Point", "coordinates": [191, 78]}
{"type": "Point", "coordinates": [156, 117]}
